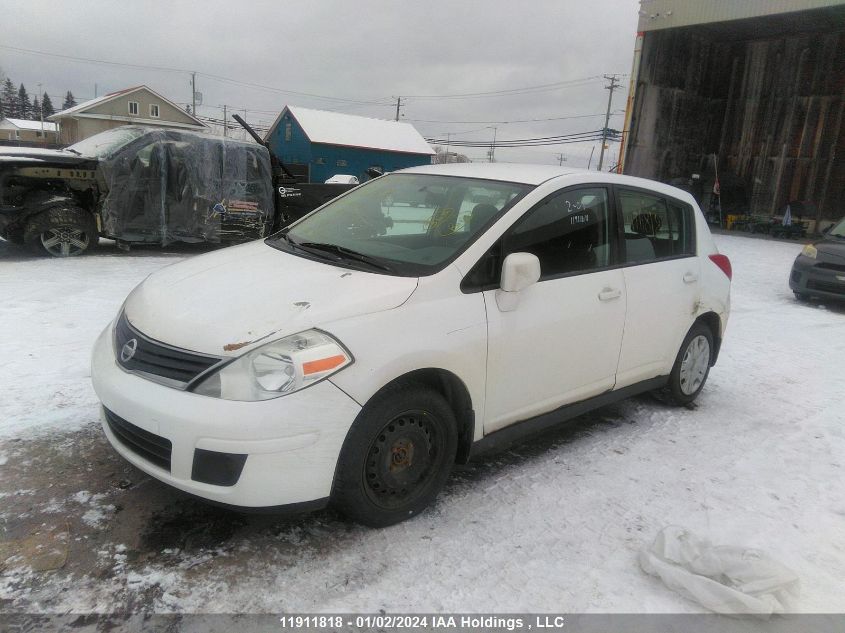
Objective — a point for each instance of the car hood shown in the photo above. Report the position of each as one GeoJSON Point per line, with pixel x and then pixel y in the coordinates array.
{"type": "Point", "coordinates": [227, 302]}
{"type": "Point", "coordinates": [40, 155]}
{"type": "Point", "coordinates": [831, 249]}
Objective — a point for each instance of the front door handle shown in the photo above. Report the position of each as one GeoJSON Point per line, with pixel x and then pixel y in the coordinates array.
{"type": "Point", "coordinates": [690, 278]}
{"type": "Point", "coordinates": [609, 294]}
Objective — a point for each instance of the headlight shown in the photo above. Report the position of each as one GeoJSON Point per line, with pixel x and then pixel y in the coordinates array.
{"type": "Point", "coordinates": [278, 368]}
{"type": "Point", "coordinates": [810, 251]}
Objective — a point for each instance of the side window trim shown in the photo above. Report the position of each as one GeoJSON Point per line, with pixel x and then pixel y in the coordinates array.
{"type": "Point", "coordinates": [614, 233]}
{"type": "Point", "coordinates": [620, 217]}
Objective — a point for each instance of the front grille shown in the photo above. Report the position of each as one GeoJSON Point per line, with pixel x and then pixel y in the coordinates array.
{"type": "Point", "coordinates": [158, 359]}
{"type": "Point", "coordinates": [830, 266]}
{"type": "Point", "coordinates": [148, 445]}
{"type": "Point", "coordinates": [826, 286]}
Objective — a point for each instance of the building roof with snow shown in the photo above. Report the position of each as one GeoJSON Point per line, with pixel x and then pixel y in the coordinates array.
{"type": "Point", "coordinates": [348, 130]}
{"type": "Point", "coordinates": [23, 124]}
{"type": "Point", "coordinates": [139, 105]}
{"type": "Point", "coordinates": [316, 145]}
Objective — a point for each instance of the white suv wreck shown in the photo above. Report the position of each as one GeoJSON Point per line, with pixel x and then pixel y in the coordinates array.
{"type": "Point", "coordinates": [355, 356]}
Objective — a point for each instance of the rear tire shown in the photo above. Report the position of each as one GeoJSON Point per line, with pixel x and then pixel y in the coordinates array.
{"type": "Point", "coordinates": [691, 368]}
{"type": "Point", "coordinates": [396, 457]}
{"type": "Point", "coordinates": [61, 232]}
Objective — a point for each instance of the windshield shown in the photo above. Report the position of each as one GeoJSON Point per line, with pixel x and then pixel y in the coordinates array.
{"type": "Point", "coordinates": [106, 143]}
{"type": "Point", "coordinates": [403, 224]}
{"type": "Point", "coordinates": [838, 230]}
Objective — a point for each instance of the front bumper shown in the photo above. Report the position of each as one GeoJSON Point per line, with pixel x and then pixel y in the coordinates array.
{"type": "Point", "coordinates": [812, 277]}
{"type": "Point", "coordinates": [291, 443]}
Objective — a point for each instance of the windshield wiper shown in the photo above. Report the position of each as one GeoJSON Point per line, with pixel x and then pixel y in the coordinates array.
{"type": "Point", "coordinates": [73, 151]}
{"type": "Point", "coordinates": [344, 253]}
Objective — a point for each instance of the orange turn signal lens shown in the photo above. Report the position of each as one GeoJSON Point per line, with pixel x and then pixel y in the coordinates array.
{"type": "Point", "coordinates": [322, 364]}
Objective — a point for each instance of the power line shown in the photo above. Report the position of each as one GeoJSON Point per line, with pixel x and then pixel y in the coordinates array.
{"type": "Point", "coordinates": [562, 139]}
{"type": "Point", "coordinates": [220, 78]}
{"type": "Point", "coordinates": [540, 120]}
{"type": "Point", "coordinates": [511, 91]}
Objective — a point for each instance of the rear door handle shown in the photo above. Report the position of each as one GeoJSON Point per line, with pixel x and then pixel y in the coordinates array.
{"type": "Point", "coordinates": [690, 278]}
{"type": "Point", "coordinates": [609, 294]}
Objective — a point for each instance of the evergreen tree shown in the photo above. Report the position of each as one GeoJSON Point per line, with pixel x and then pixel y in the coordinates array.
{"type": "Point", "coordinates": [47, 104]}
{"type": "Point", "coordinates": [35, 109]}
{"type": "Point", "coordinates": [69, 101]}
{"type": "Point", "coordinates": [10, 99]}
{"type": "Point", "coordinates": [23, 103]}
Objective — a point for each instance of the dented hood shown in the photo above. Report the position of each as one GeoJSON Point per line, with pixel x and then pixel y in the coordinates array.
{"type": "Point", "coordinates": [238, 298]}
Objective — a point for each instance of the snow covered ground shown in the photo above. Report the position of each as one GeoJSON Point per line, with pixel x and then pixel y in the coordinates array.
{"type": "Point", "coordinates": [555, 524]}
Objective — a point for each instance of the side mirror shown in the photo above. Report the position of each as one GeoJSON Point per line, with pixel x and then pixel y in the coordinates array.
{"type": "Point", "coordinates": [519, 271]}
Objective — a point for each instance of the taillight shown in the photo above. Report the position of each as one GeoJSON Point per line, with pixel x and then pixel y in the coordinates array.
{"type": "Point", "coordinates": [723, 263]}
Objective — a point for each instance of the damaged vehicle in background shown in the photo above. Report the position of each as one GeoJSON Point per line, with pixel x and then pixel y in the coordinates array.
{"type": "Point", "coordinates": [819, 269]}
{"type": "Point", "coordinates": [353, 357]}
{"type": "Point", "coordinates": [135, 185]}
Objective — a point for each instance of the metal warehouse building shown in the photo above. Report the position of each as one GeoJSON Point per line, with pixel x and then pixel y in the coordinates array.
{"type": "Point", "coordinates": [315, 144]}
{"type": "Point", "coordinates": [751, 88]}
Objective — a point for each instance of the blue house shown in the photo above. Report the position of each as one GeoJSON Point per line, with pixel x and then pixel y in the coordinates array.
{"type": "Point", "coordinates": [317, 145]}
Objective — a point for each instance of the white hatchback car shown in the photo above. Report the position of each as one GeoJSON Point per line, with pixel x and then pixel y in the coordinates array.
{"type": "Point", "coordinates": [356, 355]}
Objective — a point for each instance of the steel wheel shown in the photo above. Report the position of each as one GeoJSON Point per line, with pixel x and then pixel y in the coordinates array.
{"type": "Point", "coordinates": [401, 460]}
{"type": "Point", "coordinates": [397, 455]}
{"type": "Point", "coordinates": [694, 365]}
{"type": "Point", "coordinates": [64, 241]}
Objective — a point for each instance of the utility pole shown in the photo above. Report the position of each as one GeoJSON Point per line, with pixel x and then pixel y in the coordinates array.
{"type": "Point", "coordinates": [193, 94]}
{"type": "Point", "coordinates": [41, 104]}
{"type": "Point", "coordinates": [493, 146]}
{"type": "Point", "coordinates": [448, 139]}
{"type": "Point", "coordinates": [614, 84]}
{"type": "Point", "coordinates": [225, 123]}
{"type": "Point", "coordinates": [398, 105]}
{"type": "Point", "coordinates": [561, 158]}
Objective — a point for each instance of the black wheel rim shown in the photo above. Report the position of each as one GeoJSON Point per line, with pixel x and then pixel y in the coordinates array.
{"type": "Point", "coordinates": [403, 459]}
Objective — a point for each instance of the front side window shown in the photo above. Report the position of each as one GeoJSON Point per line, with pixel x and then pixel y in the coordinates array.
{"type": "Point", "coordinates": [655, 227]}
{"type": "Point", "coordinates": [569, 233]}
{"type": "Point", "coordinates": [133, 107]}
{"type": "Point", "coordinates": [403, 224]}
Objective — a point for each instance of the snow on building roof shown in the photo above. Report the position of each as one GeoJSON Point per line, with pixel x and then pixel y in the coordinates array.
{"type": "Point", "coordinates": [31, 125]}
{"type": "Point", "coordinates": [85, 105]}
{"type": "Point", "coordinates": [334, 128]}
{"type": "Point", "coordinates": [79, 107]}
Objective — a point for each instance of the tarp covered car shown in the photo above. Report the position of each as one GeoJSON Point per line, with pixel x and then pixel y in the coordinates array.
{"type": "Point", "coordinates": [136, 185]}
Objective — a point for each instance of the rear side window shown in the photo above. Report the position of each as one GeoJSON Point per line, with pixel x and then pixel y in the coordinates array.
{"type": "Point", "coordinates": [656, 227]}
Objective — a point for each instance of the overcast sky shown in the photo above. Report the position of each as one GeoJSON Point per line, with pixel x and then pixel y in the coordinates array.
{"type": "Point", "coordinates": [361, 51]}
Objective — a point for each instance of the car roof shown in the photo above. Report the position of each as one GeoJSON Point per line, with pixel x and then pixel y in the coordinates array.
{"type": "Point", "coordinates": [537, 174]}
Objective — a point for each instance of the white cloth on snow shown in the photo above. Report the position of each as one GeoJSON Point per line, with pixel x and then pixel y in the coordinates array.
{"type": "Point", "coordinates": [723, 578]}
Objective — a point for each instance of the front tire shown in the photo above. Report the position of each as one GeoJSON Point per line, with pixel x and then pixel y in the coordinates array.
{"type": "Point", "coordinates": [691, 368]}
{"type": "Point", "coordinates": [62, 232]}
{"type": "Point", "coordinates": [396, 457]}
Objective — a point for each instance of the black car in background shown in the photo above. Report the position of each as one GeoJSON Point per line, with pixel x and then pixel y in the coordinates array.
{"type": "Point", "coordinates": [136, 185]}
{"type": "Point", "coordinates": [819, 270]}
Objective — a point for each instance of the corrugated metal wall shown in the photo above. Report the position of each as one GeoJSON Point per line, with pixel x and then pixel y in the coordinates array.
{"type": "Point", "coordinates": [668, 14]}
{"type": "Point", "coordinates": [770, 109]}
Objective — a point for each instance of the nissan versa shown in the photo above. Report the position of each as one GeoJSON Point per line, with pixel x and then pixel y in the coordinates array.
{"type": "Point", "coordinates": [353, 357]}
